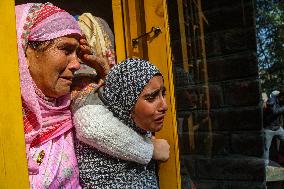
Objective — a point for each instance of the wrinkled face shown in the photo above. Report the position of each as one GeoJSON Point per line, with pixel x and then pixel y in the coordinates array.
{"type": "Point", "coordinates": [52, 69]}
{"type": "Point", "coordinates": [150, 108]}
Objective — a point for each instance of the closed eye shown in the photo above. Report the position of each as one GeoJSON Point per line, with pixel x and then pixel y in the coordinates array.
{"type": "Point", "coordinates": [153, 95]}
{"type": "Point", "coordinates": [68, 48]}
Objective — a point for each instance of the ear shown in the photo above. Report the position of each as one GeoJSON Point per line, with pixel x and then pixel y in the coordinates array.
{"type": "Point", "coordinates": [28, 54]}
{"type": "Point", "coordinates": [31, 56]}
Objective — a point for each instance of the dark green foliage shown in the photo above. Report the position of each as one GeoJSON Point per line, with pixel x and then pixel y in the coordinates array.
{"type": "Point", "coordinates": [270, 43]}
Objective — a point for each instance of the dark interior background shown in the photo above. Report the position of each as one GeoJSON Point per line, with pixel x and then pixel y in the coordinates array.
{"type": "Point", "coordinates": [101, 8]}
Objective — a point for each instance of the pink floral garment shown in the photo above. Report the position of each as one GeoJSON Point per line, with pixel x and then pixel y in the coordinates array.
{"type": "Point", "coordinates": [59, 168]}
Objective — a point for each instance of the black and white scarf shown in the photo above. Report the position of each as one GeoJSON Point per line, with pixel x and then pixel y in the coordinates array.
{"type": "Point", "coordinates": [124, 84]}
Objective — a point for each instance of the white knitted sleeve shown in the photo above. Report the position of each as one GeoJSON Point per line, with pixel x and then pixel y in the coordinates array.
{"type": "Point", "coordinates": [96, 126]}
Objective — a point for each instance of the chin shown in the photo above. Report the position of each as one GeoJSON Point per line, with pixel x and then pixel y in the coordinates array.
{"type": "Point", "coordinates": [64, 91]}
{"type": "Point", "coordinates": [58, 95]}
{"type": "Point", "coordinates": [157, 128]}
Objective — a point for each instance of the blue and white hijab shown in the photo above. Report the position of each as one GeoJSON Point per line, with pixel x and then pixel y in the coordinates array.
{"type": "Point", "coordinates": [123, 85]}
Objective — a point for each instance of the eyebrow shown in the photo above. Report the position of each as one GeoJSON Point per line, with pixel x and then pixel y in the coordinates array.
{"type": "Point", "coordinates": [155, 92]}
{"type": "Point", "coordinates": [68, 44]}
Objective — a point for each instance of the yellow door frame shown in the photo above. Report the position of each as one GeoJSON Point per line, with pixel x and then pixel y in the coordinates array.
{"type": "Point", "coordinates": [13, 163]}
{"type": "Point", "coordinates": [118, 22]}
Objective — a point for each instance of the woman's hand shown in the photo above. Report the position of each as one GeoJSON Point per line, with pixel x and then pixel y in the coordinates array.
{"type": "Point", "coordinates": [161, 149]}
{"type": "Point", "coordinates": [98, 62]}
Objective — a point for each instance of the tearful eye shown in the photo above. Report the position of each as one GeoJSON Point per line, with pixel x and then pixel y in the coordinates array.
{"type": "Point", "coordinates": [67, 51]}
{"type": "Point", "coordinates": [150, 98]}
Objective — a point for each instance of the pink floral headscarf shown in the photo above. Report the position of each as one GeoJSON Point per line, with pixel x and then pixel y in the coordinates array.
{"type": "Point", "coordinates": [42, 121]}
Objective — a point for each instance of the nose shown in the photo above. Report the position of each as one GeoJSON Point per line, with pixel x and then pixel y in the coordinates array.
{"type": "Point", "coordinates": [74, 64]}
{"type": "Point", "coordinates": [163, 104]}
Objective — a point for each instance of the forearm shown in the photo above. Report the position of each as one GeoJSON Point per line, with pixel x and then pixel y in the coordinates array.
{"type": "Point", "coordinates": [96, 126]}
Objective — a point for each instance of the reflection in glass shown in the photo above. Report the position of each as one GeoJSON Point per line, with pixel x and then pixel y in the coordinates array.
{"type": "Point", "coordinates": [217, 93]}
{"type": "Point", "coordinates": [270, 53]}
{"type": "Point", "coordinates": [191, 83]}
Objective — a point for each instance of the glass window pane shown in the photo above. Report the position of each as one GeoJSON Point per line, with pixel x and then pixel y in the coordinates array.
{"type": "Point", "coordinates": [217, 88]}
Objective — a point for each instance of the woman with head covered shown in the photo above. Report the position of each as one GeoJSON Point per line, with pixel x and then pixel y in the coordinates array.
{"type": "Point", "coordinates": [48, 41]}
{"type": "Point", "coordinates": [134, 95]}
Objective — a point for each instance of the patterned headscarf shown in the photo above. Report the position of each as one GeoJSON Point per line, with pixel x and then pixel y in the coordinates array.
{"type": "Point", "coordinates": [42, 22]}
{"type": "Point", "coordinates": [124, 84]}
{"type": "Point", "coordinates": [100, 39]}
{"type": "Point", "coordinates": [98, 35]}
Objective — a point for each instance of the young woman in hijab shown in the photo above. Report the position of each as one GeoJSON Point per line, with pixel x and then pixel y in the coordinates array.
{"type": "Point", "coordinates": [134, 96]}
{"type": "Point", "coordinates": [111, 138]}
{"type": "Point", "coordinates": [48, 47]}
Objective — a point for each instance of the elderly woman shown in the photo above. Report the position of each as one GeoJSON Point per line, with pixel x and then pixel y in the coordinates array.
{"type": "Point", "coordinates": [49, 42]}
{"type": "Point", "coordinates": [134, 95]}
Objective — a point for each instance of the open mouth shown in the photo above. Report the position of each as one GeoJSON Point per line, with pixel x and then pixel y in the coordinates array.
{"type": "Point", "coordinates": [67, 79]}
{"type": "Point", "coordinates": [160, 119]}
